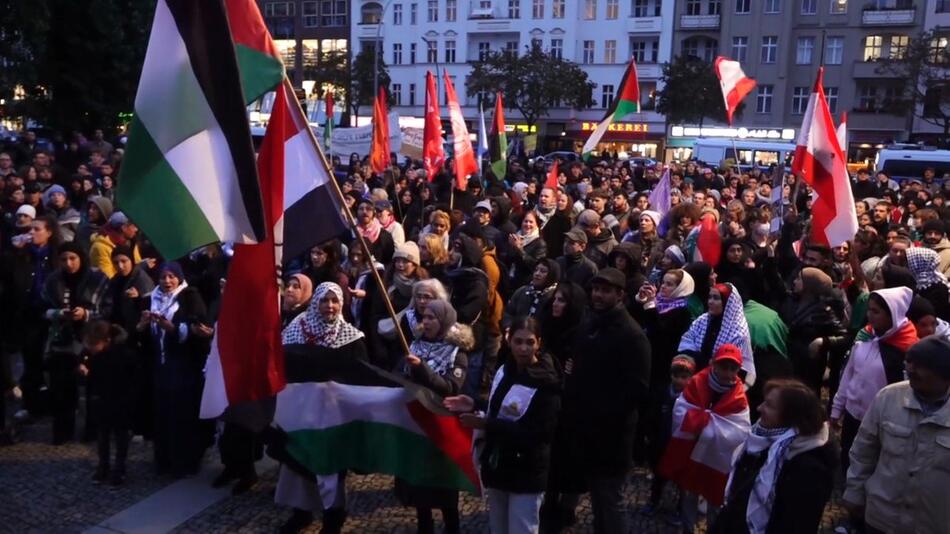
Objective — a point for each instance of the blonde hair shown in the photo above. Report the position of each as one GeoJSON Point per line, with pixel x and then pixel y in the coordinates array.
{"type": "Point", "coordinates": [433, 245]}
{"type": "Point", "coordinates": [439, 214]}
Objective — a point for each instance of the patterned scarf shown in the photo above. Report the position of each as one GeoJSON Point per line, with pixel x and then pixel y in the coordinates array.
{"type": "Point", "coordinates": [438, 355]}
{"type": "Point", "coordinates": [370, 232]}
{"type": "Point", "coordinates": [924, 263]}
{"type": "Point", "coordinates": [776, 441]}
{"type": "Point", "coordinates": [678, 296]}
{"type": "Point", "coordinates": [311, 328]}
{"type": "Point", "coordinates": [537, 296]}
{"type": "Point", "coordinates": [734, 330]}
{"type": "Point", "coordinates": [165, 304]}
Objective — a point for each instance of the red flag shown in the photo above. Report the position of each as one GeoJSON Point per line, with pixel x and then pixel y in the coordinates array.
{"type": "Point", "coordinates": [709, 243]}
{"type": "Point", "coordinates": [822, 164]}
{"type": "Point", "coordinates": [465, 163]}
{"type": "Point", "coordinates": [734, 83]}
{"type": "Point", "coordinates": [433, 155]}
{"type": "Point", "coordinates": [379, 154]}
{"type": "Point", "coordinates": [551, 182]}
{"type": "Point", "coordinates": [328, 101]}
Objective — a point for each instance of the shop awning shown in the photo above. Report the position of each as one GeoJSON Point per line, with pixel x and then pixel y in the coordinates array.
{"type": "Point", "coordinates": [678, 142]}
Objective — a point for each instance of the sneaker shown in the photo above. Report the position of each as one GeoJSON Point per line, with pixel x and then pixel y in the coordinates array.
{"type": "Point", "coordinates": [101, 475]}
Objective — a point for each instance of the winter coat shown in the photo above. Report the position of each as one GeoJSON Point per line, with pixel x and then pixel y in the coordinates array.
{"type": "Point", "coordinates": [451, 382]}
{"type": "Point", "coordinates": [468, 284]}
{"type": "Point", "coordinates": [520, 422]}
{"type": "Point", "coordinates": [553, 233]}
{"type": "Point", "coordinates": [100, 252]}
{"type": "Point", "coordinates": [89, 293]}
{"type": "Point", "coordinates": [21, 288]}
{"type": "Point", "coordinates": [88, 229]}
{"type": "Point", "coordinates": [599, 247]}
{"type": "Point", "coordinates": [121, 309]}
{"type": "Point", "coordinates": [578, 270]}
{"type": "Point", "coordinates": [943, 251]}
{"type": "Point", "coordinates": [112, 383]}
{"type": "Point", "coordinates": [609, 383]}
{"type": "Point", "coordinates": [521, 262]}
{"type": "Point", "coordinates": [899, 464]}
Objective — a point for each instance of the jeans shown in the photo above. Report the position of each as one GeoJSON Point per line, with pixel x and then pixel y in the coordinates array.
{"type": "Point", "coordinates": [606, 500]}
{"type": "Point", "coordinates": [513, 513]}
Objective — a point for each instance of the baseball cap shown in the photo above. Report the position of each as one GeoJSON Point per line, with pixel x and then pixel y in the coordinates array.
{"type": "Point", "coordinates": [383, 205]}
{"type": "Point", "coordinates": [610, 276]}
{"type": "Point", "coordinates": [728, 351]}
{"type": "Point", "coordinates": [576, 235]}
{"type": "Point", "coordinates": [118, 219]}
{"type": "Point", "coordinates": [483, 205]}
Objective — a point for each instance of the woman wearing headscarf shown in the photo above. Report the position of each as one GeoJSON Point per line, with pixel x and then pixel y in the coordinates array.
{"type": "Point", "coordinates": [528, 299]}
{"type": "Point", "coordinates": [815, 320]}
{"type": "Point", "coordinates": [327, 335]}
{"type": "Point", "coordinates": [525, 249]}
{"type": "Point", "coordinates": [738, 269]}
{"type": "Point", "coordinates": [783, 475]}
{"type": "Point", "coordinates": [438, 360]}
{"type": "Point", "coordinates": [178, 337]}
{"type": "Point", "coordinates": [703, 277]}
{"type": "Point", "coordinates": [297, 295]}
{"type": "Point", "coordinates": [410, 318]}
{"type": "Point", "coordinates": [666, 319]}
{"type": "Point", "coordinates": [723, 323]}
{"type": "Point", "coordinates": [672, 258]}
{"type": "Point", "coordinates": [74, 294]}
{"type": "Point", "coordinates": [877, 359]}
{"type": "Point", "coordinates": [924, 263]}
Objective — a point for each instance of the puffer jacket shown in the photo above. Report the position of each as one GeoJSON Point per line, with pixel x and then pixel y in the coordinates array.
{"type": "Point", "coordinates": [900, 464]}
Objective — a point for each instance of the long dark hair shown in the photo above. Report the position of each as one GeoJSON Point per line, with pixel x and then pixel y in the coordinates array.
{"type": "Point", "coordinates": [800, 407]}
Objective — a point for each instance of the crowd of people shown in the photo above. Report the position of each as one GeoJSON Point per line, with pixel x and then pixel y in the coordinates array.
{"type": "Point", "coordinates": [581, 329]}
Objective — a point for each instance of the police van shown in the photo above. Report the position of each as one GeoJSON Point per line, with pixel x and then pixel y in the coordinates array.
{"type": "Point", "coordinates": [760, 154]}
{"type": "Point", "coordinates": [905, 161]}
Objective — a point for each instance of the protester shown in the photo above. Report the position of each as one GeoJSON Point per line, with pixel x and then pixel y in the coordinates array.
{"type": "Point", "coordinates": [723, 324]}
{"type": "Point", "coordinates": [297, 294]}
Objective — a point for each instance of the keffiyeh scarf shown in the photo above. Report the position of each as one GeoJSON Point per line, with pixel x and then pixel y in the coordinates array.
{"type": "Point", "coordinates": [370, 232]}
{"type": "Point", "coordinates": [438, 355]}
{"type": "Point", "coordinates": [536, 295]}
{"type": "Point", "coordinates": [678, 298]}
{"type": "Point", "coordinates": [924, 263]}
{"type": "Point", "coordinates": [734, 330]}
{"type": "Point", "coordinates": [311, 328]}
{"type": "Point", "coordinates": [166, 305]}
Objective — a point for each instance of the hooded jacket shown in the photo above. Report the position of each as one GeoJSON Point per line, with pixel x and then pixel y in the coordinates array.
{"type": "Point", "coordinates": [87, 228]}
{"type": "Point", "coordinates": [100, 252]}
{"type": "Point", "coordinates": [84, 289]}
{"type": "Point", "coordinates": [468, 282]}
{"type": "Point", "coordinates": [599, 247]}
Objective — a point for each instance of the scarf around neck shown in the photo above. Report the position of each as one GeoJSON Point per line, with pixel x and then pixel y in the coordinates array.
{"type": "Point", "coordinates": [311, 328]}
{"type": "Point", "coordinates": [370, 232]}
{"type": "Point", "coordinates": [438, 355]}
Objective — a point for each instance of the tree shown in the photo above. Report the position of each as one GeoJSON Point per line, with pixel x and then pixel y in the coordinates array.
{"type": "Point", "coordinates": [530, 83]}
{"type": "Point", "coordinates": [691, 92]}
{"type": "Point", "coordinates": [333, 69]}
{"type": "Point", "coordinates": [361, 87]}
{"type": "Point", "coordinates": [924, 74]}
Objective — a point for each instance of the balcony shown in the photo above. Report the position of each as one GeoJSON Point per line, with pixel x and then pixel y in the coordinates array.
{"type": "Point", "coordinates": [644, 24]}
{"type": "Point", "coordinates": [888, 17]}
{"type": "Point", "coordinates": [490, 25]}
{"type": "Point", "coordinates": [367, 30]}
{"type": "Point", "coordinates": [699, 22]}
{"type": "Point", "coordinates": [868, 69]}
{"type": "Point", "coordinates": [649, 71]}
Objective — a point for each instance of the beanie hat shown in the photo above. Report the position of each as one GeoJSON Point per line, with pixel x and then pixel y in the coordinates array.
{"type": "Point", "coordinates": [815, 281]}
{"type": "Point", "coordinates": [26, 209]}
{"type": "Point", "coordinates": [683, 361]}
{"type": "Point", "coordinates": [53, 189]}
{"type": "Point", "coordinates": [935, 225]}
{"type": "Point", "coordinates": [408, 251]}
{"type": "Point", "coordinates": [174, 268]}
{"type": "Point", "coordinates": [932, 352]}
{"type": "Point", "coordinates": [653, 215]}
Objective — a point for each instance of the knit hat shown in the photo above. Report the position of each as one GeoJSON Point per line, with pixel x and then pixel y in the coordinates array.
{"type": "Point", "coordinates": [588, 218]}
{"type": "Point", "coordinates": [610, 221]}
{"type": "Point", "coordinates": [408, 251]}
{"type": "Point", "coordinates": [383, 205]}
{"type": "Point", "coordinates": [683, 362]}
{"type": "Point", "coordinates": [26, 209]}
{"type": "Point", "coordinates": [730, 352]}
{"type": "Point", "coordinates": [815, 281]}
{"type": "Point", "coordinates": [932, 352]}
{"type": "Point", "coordinates": [173, 268]}
{"type": "Point", "coordinates": [52, 190]}
{"type": "Point", "coordinates": [934, 225]}
{"type": "Point", "coordinates": [653, 215]}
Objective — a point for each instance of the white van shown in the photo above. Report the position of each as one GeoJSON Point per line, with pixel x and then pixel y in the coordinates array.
{"type": "Point", "coordinates": [751, 153]}
{"type": "Point", "coordinates": [903, 162]}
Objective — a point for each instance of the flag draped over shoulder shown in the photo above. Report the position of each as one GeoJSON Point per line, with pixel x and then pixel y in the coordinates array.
{"type": "Point", "coordinates": [498, 142]}
{"type": "Point", "coordinates": [189, 177]}
{"type": "Point", "coordinates": [341, 413]}
{"type": "Point", "coordinates": [626, 103]}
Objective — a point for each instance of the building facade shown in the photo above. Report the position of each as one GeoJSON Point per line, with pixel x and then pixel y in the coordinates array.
{"type": "Point", "coordinates": [937, 21]}
{"type": "Point", "coordinates": [416, 36]}
{"type": "Point", "coordinates": [781, 44]}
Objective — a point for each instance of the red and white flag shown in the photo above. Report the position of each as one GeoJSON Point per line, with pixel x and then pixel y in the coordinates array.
{"type": "Point", "coordinates": [843, 134]}
{"type": "Point", "coordinates": [464, 157]}
{"type": "Point", "coordinates": [822, 164]}
{"type": "Point", "coordinates": [433, 155]}
{"type": "Point", "coordinates": [551, 182]}
{"type": "Point", "coordinates": [734, 83]}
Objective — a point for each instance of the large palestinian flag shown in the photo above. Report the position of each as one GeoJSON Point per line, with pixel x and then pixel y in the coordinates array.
{"type": "Point", "coordinates": [189, 177]}
{"type": "Point", "coordinates": [626, 103]}
{"type": "Point", "coordinates": [340, 413]}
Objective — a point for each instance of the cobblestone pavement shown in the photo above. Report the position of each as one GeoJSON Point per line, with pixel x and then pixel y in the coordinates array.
{"type": "Point", "coordinates": [48, 489]}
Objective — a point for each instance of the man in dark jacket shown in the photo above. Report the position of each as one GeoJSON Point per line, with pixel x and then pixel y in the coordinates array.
{"type": "Point", "coordinates": [575, 266]}
{"type": "Point", "coordinates": [468, 285]}
{"type": "Point", "coordinates": [607, 384]}
{"type": "Point", "coordinates": [600, 240]}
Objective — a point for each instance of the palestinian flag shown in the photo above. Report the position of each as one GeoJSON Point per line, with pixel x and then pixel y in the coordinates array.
{"type": "Point", "coordinates": [340, 413]}
{"type": "Point", "coordinates": [189, 177]}
{"type": "Point", "coordinates": [626, 103]}
{"type": "Point", "coordinates": [498, 142]}
{"type": "Point", "coordinates": [257, 56]}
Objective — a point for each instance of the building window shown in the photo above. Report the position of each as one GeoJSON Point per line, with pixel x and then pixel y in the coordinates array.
{"type": "Point", "coordinates": [645, 51]}
{"type": "Point", "coordinates": [413, 14]}
{"type": "Point", "coordinates": [809, 7]}
{"type": "Point", "coordinates": [588, 53]}
{"type": "Point", "coordinates": [484, 49]}
{"type": "Point", "coordinates": [397, 53]}
{"type": "Point", "coordinates": [412, 94]}
{"type": "Point", "coordinates": [450, 51]}
{"type": "Point", "coordinates": [613, 9]}
{"type": "Point", "coordinates": [397, 94]}
{"type": "Point", "coordinates": [834, 49]}
{"type": "Point", "coordinates": [537, 9]}
{"type": "Point", "coordinates": [800, 97]}
{"type": "Point", "coordinates": [943, 6]}
{"type": "Point", "coordinates": [803, 50]}
{"type": "Point", "coordinates": [610, 51]}
{"type": "Point", "coordinates": [711, 50]}
{"type": "Point", "coordinates": [590, 9]}
{"type": "Point", "coordinates": [867, 98]}
{"type": "Point", "coordinates": [432, 52]}
{"type": "Point", "coordinates": [641, 8]}
{"type": "Point", "coordinates": [557, 48]}
{"type": "Point", "coordinates": [279, 9]}
{"type": "Point", "coordinates": [607, 97]}
{"type": "Point", "coordinates": [714, 7]}
{"type": "Point", "coordinates": [511, 48]}
{"type": "Point", "coordinates": [831, 95]}
{"type": "Point", "coordinates": [514, 9]}
{"type": "Point", "coordinates": [763, 99]}
{"type": "Point", "coordinates": [451, 10]}
{"type": "Point", "coordinates": [288, 51]}
{"type": "Point", "coordinates": [743, 7]}
{"type": "Point", "coordinates": [772, 6]}
{"type": "Point", "coordinates": [840, 7]}
{"type": "Point", "coordinates": [769, 49]}
{"type": "Point", "coordinates": [691, 48]}
{"type": "Point", "coordinates": [740, 49]}
{"type": "Point", "coordinates": [397, 14]}
{"type": "Point", "coordinates": [310, 54]}
{"type": "Point", "coordinates": [898, 46]}
{"type": "Point", "coordinates": [433, 12]}
{"type": "Point", "coordinates": [412, 53]}
{"type": "Point", "coordinates": [333, 13]}
{"type": "Point", "coordinates": [557, 9]}
{"type": "Point", "coordinates": [938, 50]}
{"type": "Point", "coordinates": [873, 45]}
{"type": "Point", "coordinates": [311, 14]}
{"type": "Point", "coordinates": [694, 7]}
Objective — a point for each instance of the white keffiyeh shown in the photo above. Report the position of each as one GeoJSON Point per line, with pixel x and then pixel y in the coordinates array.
{"type": "Point", "coordinates": [734, 330]}
{"type": "Point", "coordinates": [311, 328]}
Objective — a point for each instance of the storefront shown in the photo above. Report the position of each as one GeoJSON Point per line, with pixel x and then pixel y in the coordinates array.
{"type": "Point", "coordinates": [681, 138]}
{"type": "Point", "coordinates": [627, 139]}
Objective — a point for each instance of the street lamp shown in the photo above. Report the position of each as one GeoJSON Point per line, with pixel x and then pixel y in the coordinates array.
{"type": "Point", "coordinates": [376, 47]}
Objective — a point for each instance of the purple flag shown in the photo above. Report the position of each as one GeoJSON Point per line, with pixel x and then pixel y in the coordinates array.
{"type": "Point", "coordinates": [660, 196]}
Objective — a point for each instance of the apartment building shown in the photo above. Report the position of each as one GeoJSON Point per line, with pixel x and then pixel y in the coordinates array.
{"type": "Point", "coordinates": [303, 30]}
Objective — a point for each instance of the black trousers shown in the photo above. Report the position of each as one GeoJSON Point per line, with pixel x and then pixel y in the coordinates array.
{"type": "Point", "coordinates": [849, 431]}
{"type": "Point", "coordinates": [107, 433]}
{"type": "Point", "coordinates": [240, 448]}
{"type": "Point", "coordinates": [64, 394]}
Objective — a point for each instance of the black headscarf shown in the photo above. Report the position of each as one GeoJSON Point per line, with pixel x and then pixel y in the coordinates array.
{"type": "Point", "coordinates": [72, 279]}
{"type": "Point", "coordinates": [896, 276]}
{"type": "Point", "coordinates": [700, 272]}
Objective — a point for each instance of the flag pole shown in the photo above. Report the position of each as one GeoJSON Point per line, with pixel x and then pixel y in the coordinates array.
{"type": "Point", "coordinates": [349, 218]}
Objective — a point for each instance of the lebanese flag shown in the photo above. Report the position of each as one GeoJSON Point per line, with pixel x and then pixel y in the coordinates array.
{"type": "Point", "coordinates": [734, 83]}
{"type": "Point", "coordinates": [705, 436]}
{"type": "Point", "coordinates": [709, 243]}
{"type": "Point", "coordinates": [433, 155]}
{"type": "Point", "coordinates": [246, 362]}
{"type": "Point", "coordinates": [842, 134]}
{"type": "Point", "coordinates": [551, 182]}
{"type": "Point", "coordinates": [465, 163]}
{"type": "Point", "coordinates": [822, 164]}
{"type": "Point", "coordinates": [379, 153]}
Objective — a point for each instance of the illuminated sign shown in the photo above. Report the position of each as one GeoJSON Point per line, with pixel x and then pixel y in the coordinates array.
{"type": "Point", "coordinates": [618, 127]}
{"type": "Point", "coordinates": [786, 134]}
{"type": "Point", "coordinates": [523, 128]}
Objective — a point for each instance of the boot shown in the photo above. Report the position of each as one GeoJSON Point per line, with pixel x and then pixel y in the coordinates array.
{"type": "Point", "coordinates": [333, 519]}
{"type": "Point", "coordinates": [297, 522]}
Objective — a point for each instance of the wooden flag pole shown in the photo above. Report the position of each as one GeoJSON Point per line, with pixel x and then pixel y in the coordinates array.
{"type": "Point", "coordinates": [349, 218]}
